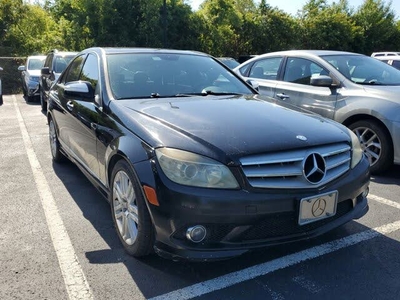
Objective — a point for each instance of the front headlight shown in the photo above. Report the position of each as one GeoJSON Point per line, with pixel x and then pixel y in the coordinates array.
{"type": "Point", "coordinates": [357, 152]}
{"type": "Point", "coordinates": [195, 170]}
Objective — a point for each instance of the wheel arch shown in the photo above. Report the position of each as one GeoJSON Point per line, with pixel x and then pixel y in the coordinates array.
{"type": "Point", "coordinates": [365, 117]}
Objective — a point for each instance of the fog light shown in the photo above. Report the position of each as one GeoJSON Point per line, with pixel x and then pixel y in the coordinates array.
{"type": "Point", "coordinates": [366, 192]}
{"type": "Point", "coordinates": [196, 233]}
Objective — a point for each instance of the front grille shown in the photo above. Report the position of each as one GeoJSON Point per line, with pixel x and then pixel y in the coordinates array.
{"type": "Point", "coordinates": [286, 169]}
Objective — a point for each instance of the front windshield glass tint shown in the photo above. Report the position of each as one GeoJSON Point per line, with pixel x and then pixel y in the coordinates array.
{"type": "Point", "coordinates": [364, 69]}
{"type": "Point", "coordinates": [145, 75]}
{"type": "Point", "coordinates": [36, 63]}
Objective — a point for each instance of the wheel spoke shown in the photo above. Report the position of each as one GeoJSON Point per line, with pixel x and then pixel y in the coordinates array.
{"type": "Point", "coordinates": [371, 153]}
{"type": "Point", "coordinates": [124, 228]}
{"type": "Point", "coordinates": [133, 213]}
{"type": "Point", "coordinates": [132, 228]}
{"type": "Point", "coordinates": [371, 139]}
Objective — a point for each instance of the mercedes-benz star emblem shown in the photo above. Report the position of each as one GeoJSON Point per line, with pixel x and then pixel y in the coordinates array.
{"type": "Point", "coordinates": [318, 207]}
{"type": "Point", "coordinates": [314, 168]}
{"type": "Point", "coordinates": [301, 137]}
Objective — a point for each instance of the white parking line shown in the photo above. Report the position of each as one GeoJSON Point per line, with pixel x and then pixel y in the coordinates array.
{"type": "Point", "coordinates": [74, 278]}
{"type": "Point", "coordinates": [384, 201]}
{"type": "Point", "coordinates": [230, 279]}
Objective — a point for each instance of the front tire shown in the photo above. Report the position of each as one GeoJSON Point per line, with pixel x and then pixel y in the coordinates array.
{"type": "Point", "coordinates": [376, 143]}
{"type": "Point", "coordinates": [129, 211]}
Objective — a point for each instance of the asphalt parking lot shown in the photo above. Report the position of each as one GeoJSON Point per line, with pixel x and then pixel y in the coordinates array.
{"type": "Point", "coordinates": [58, 242]}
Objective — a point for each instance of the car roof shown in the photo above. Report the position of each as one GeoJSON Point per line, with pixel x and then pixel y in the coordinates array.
{"type": "Point", "coordinates": [305, 53]}
{"type": "Point", "coordinates": [386, 53]}
{"type": "Point", "coordinates": [37, 56]}
{"type": "Point", "coordinates": [310, 52]}
{"type": "Point", "coordinates": [388, 57]}
{"type": "Point", "coordinates": [121, 50]}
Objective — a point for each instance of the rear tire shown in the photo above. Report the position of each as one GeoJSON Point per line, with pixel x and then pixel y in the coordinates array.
{"type": "Point", "coordinates": [376, 143]}
{"type": "Point", "coordinates": [55, 143]}
{"type": "Point", "coordinates": [43, 103]}
{"type": "Point", "coordinates": [129, 211]}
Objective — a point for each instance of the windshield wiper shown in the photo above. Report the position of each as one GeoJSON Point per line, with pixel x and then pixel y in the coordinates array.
{"type": "Point", "coordinates": [205, 93]}
{"type": "Point", "coordinates": [371, 82]}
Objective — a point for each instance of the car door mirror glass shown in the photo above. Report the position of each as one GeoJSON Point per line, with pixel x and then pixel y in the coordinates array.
{"type": "Point", "coordinates": [255, 85]}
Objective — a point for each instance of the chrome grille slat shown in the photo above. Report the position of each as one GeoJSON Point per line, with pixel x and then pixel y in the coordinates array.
{"type": "Point", "coordinates": [285, 169]}
{"type": "Point", "coordinates": [273, 171]}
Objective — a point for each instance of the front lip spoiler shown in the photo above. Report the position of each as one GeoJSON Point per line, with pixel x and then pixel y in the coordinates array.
{"type": "Point", "coordinates": [168, 252]}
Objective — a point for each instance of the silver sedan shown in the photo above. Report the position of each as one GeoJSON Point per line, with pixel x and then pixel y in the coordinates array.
{"type": "Point", "coordinates": [353, 89]}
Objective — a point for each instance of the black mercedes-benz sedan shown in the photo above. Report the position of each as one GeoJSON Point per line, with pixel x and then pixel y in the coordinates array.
{"type": "Point", "coordinates": [195, 164]}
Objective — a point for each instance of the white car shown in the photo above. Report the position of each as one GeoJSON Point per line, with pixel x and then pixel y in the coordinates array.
{"type": "Point", "coordinates": [394, 61]}
{"type": "Point", "coordinates": [30, 76]}
{"type": "Point", "coordinates": [385, 54]}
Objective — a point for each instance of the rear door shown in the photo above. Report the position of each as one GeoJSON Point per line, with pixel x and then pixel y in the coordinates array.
{"type": "Point", "coordinates": [295, 88]}
{"type": "Point", "coordinates": [265, 71]}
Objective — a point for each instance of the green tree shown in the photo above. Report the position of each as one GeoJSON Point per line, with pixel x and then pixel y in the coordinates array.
{"type": "Point", "coordinates": [222, 24]}
{"type": "Point", "coordinates": [378, 26]}
{"type": "Point", "coordinates": [328, 27]}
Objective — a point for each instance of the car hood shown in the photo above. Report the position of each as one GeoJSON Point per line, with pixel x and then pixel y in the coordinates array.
{"type": "Point", "coordinates": [34, 72]}
{"type": "Point", "coordinates": [230, 126]}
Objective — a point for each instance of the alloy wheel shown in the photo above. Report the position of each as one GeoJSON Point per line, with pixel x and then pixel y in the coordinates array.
{"type": "Point", "coordinates": [370, 143]}
{"type": "Point", "coordinates": [53, 138]}
{"type": "Point", "coordinates": [125, 207]}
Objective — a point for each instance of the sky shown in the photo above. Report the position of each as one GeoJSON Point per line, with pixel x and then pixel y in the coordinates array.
{"type": "Point", "coordinates": [292, 6]}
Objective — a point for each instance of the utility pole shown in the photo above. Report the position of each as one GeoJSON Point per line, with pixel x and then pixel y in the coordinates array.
{"type": "Point", "coordinates": [165, 23]}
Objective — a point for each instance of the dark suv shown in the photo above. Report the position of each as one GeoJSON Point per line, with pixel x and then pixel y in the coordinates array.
{"type": "Point", "coordinates": [56, 62]}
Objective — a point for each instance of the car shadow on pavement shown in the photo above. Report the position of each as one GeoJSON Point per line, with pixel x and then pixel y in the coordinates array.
{"type": "Point", "coordinates": [169, 275]}
{"type": "Point", "coordinates": [391, 176]}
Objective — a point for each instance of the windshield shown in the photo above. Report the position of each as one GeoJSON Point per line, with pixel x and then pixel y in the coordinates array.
{"type": "Point", "coordinates": [364, 69]}
{"type": "Point", "coordinates": [35, 63]}
{"type": "Point", "coordinates": [61, 62]}
{"type": "Point", "coordinates": [146, 75]}
{"type": "Point", "coordinates": [230, 63]}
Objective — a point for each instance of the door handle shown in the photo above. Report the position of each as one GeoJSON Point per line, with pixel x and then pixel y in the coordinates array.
{"type": "Point", "coordinates": [70, 105]}
{"type": "Point", "coordinates": [283, 96]}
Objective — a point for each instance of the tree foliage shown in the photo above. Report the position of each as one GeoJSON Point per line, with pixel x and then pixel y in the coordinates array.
{"type": "Point", "coordinates": [219, 27]}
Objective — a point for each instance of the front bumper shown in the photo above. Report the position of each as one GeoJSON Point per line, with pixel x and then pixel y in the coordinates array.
{"type": "Point", "coordinates": [241, 220]}
{"type": "Point", "coordinates": [33, 88]}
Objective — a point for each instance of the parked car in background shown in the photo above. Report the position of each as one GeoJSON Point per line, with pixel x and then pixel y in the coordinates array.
{"type": "Point", "coordinates": [1, 89]}
{"type": "Point", "coordinates": [30, 75]}
{"type": "Point", "coordinates": [383, 54]}
{"type": "Point", "coordinates": [230, 62]}
{"type": "Point", "coordinates": [356, 90]}
{"type": "Point", "coordinates": [243, 58]}
{"type": "Point", "coordinates": [56, 62]}
{"type": "Point", "coordinates": [194, 162]}
{"type": "Point", "coordinates": [393, 61]}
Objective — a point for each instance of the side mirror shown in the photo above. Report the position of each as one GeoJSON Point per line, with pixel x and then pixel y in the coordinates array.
{"type": "Point", "coordinates": [321, 80]}
{"type": "Point", "coordinates": [21, 68]}
{"type": "Point", "coordinates": [254, 84]}
{"type": "Point", "coordinates": [80, 89]}
{"type": "Point", "coordinates": [45, 71]}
